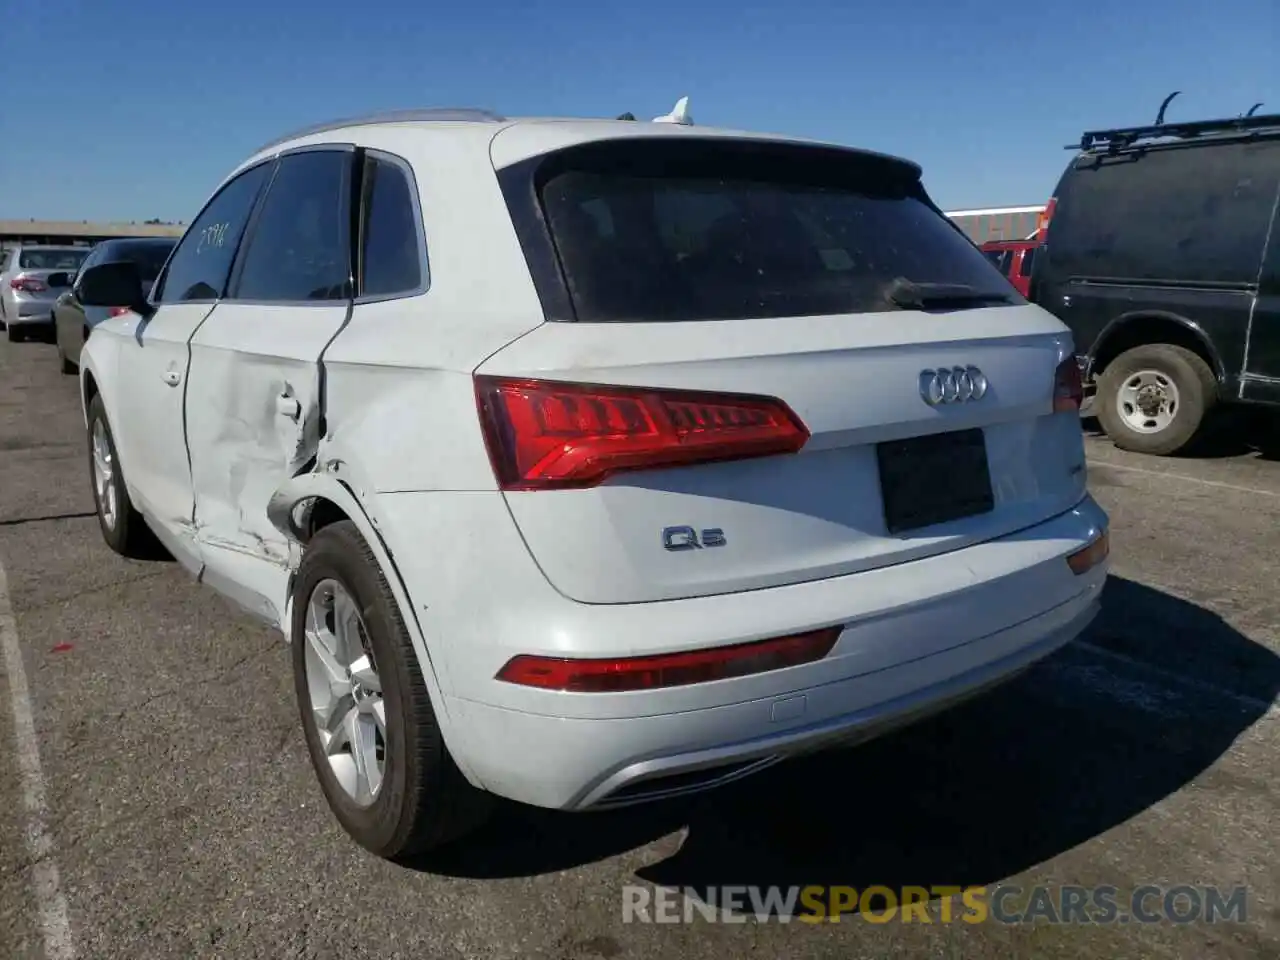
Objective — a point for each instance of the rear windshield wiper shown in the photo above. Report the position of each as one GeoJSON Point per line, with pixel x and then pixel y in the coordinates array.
{"type": "Point", "coordinates": [919, 296]}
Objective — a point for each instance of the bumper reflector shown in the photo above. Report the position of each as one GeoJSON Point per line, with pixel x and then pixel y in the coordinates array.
{"type": "Point", "coordinates": [668, 669]}
{"type": "Point", "coordinates": [1084, 560]}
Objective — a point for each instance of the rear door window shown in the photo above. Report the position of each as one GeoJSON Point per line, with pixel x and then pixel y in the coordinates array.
{"type": "Point", "coordinates": [703, 230]}
{"type": "Point", "coordinates": [299, 247]}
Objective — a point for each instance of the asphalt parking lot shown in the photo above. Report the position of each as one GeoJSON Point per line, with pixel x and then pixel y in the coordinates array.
{"type": "Point", "coordinates": [180, 818]}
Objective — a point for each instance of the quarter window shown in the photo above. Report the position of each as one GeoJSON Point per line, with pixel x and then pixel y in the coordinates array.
{"type": "Point", "coordinates": [202, 262]}
{"type": "Point", "coordinates": [391, 261]}
{"type": "Point", "coordinates": [299, 249]}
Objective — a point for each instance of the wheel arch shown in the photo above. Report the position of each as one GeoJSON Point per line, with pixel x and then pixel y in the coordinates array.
{"type": "Point", "coordinates": [305, 505]}
{"type": "Point", "coordinates": [1141, 327]}
{"type": "Point", "coordinates": [88, 390]}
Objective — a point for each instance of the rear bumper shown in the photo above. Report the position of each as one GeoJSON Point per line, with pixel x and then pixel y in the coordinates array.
{"type": "Point", "coordinates": [915, 636]}
{"type": "Point", "coordinates": [30, 312]}
{"type": "Point", "coordinates": [597, 764]}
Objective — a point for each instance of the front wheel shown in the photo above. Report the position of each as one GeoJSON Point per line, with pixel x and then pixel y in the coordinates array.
{"type": "Point", "coordinates": [122, 526]}
{"type": "Point", "coordinates": [369, 724]}
{"type": "Point", "coordinates": [15, 333]}
{"type": "Point", "coordinates": [1154, 398]}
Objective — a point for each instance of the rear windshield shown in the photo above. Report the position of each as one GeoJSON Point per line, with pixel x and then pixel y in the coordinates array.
{"type": "Point", "coordinates": [51, 259]}
{"type": "Point", "coordinates": [149, 257]}
{"type": "Point", "coordinates": [670, 230]}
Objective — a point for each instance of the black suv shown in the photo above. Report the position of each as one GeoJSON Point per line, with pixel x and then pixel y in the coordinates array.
{"type": "Point", "coordinates": [1162, 254]}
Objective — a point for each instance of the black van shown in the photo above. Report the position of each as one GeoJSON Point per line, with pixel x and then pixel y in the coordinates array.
{"type": "Point", "coordinates": [1162, 254]}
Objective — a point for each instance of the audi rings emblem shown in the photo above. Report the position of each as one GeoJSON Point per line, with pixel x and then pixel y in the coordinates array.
{"type": "Point", "coordinates": [952, 385]}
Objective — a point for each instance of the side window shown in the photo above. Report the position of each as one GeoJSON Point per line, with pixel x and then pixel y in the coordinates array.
{"type": "Point", "coordinates": [299, 248]}
{"type": "Point", "coordinates": [1001, 260]}
{"type": "Point", "coordinates": [391, 261]}
{"type": "Point", "coordinates": [1028, 261]}
{"type": "Point", "coordinates": [95, 255]}
{"type": "Point", "coordinates": [202, 262]}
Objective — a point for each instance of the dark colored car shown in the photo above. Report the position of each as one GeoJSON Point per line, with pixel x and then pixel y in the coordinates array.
{"type": "Point", "coordinates": [72, 320]}
{"type": "Point", "coordinates": [1014, 258]}
{"type": "Point", "coordinates": [1161, 252]}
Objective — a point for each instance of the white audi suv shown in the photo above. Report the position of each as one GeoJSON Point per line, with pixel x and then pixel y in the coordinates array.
{"type": "Point", "coordinates": [588, 462]}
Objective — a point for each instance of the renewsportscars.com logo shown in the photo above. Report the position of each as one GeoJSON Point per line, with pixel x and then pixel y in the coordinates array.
{"type": "Point", "coordinates": [1005, 903]}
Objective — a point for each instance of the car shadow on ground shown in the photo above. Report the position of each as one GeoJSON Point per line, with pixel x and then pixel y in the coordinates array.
{"type": "Point", "coordinates": [1078, 745]}
{"type": "Point", "coordinates": [1236, 432]}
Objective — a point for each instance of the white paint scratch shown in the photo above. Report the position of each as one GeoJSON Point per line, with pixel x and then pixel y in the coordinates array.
{"type": "Point", "coordinates": [1170, 475]}
{"type": "Point", "coordinates": [51, 905]}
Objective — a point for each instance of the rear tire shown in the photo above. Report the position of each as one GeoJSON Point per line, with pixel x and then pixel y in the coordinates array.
{"type": "Point", "coordinates": [123, 527]}
{"type": "Point", "coordinates": [422, 799]}
{"type": "Point", "coordinates": [1154, 398]}
{"type": "Point", "coordinates": [15, 333]}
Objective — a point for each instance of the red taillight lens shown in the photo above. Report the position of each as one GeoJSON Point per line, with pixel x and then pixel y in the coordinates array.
{"type": "Point", "coordinates": [117, 311]}
{"type": "Point", "coordinates": [1068, 388]}
{"type": "Point", "coordinates": [669, 670]}
{"type": "Point", "coordinates": [544, 435]}
{"type": "Point", "coordinates": [28, 284]}
{"type": "Point", "coordinates": [1046, 215]}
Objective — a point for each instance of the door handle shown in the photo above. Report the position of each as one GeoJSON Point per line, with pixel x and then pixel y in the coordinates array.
{"type": "Point", "coordinates": [288, 407]}
{"type": "Point", "coordinates": [172, 377]}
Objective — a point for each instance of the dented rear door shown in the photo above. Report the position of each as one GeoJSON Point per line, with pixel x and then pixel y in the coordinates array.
{"type": "Point", "coordinates": [253, 404]}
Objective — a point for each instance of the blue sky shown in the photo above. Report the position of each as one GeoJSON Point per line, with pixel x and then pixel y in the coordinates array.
{"type": "Point", "coordinates": [130, 110]}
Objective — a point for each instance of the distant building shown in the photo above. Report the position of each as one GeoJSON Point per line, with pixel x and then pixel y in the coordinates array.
{"type": "Point", "coordinates": [998, 223]}
{"type": "Point", "coordinates": [81, 232]}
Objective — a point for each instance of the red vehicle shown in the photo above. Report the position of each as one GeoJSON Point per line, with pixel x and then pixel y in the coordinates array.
{"type": "Point", "coordinates": [1013, 258]}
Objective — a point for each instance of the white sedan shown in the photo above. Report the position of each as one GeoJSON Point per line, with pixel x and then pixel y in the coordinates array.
{"type": "Point", "coordinates": [590, 462]}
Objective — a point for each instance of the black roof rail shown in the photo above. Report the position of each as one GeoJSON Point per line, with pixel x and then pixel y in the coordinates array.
{"type": "Point", "coordinates": [1112, 140]}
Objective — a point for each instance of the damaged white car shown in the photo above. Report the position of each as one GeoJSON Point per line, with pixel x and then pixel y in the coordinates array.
{"type": "Point", "coordinates": [588, 462]}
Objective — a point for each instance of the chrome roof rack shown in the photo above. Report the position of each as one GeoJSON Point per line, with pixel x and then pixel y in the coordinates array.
{"type": "Point", "coordinates": [424, 114]}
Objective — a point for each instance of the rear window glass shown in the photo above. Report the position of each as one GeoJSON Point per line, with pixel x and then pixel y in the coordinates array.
{"type": "Point", "coordinates": [51, 259]}
{"type": "Point", "coordinates": [670, 231]}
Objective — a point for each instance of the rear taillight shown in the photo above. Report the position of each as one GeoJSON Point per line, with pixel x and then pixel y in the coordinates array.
{"type": "Point", "coordinates": [1068, 388]}
{"type": "Point", "coordinates": [668, 670]}
{"type": "Point", "coordinates": [1042, 222]}
{"type": "Point", "coordinates": [28, 285]}
{"type": "Point", "coordinates": [117, 311]}
{"type": "Point", "coordinates": [545, 435]}
{"type": "Point", "coordinates": [1082, 561]}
